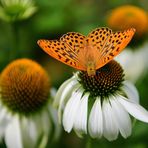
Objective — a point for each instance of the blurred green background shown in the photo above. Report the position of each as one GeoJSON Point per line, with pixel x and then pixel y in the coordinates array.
{"type": "Point", "coordinates": [50, 20]}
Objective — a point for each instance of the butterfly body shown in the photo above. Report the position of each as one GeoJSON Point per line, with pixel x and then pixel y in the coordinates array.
{"type": "Point", "coordinates": [91, 69]}
{"type": "Point", "coordinates": [88, 57]}
{"type": "Point", "coordinates": [88, 53]}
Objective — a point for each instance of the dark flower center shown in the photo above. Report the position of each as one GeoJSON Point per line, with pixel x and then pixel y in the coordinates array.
{"type": "Point", "coordinates": [107, 80]}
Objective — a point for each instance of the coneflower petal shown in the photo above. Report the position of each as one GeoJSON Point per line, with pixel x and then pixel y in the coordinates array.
{"type": "Point", "coordinates": [71, 110]}
{"type": "Point", "coordinates": [95, 122]}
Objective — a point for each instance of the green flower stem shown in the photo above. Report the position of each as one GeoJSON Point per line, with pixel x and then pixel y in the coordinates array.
{"type": "Point", "coordinates": [15, 51]}
{"type": "Point", "coordinates": [88, 142]}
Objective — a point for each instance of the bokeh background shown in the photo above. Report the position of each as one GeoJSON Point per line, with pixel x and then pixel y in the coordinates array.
{"type": "Point", "coordinates": [51, 19]}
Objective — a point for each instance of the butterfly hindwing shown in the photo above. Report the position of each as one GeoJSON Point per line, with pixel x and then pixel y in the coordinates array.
{"type": "Point", "coordinates": [115, 43]}
{"type": "Point", "coordinates": [59, 51]}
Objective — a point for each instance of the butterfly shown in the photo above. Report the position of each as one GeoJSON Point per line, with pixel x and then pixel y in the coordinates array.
{"type": "Point", "coordinates": [88, 53]}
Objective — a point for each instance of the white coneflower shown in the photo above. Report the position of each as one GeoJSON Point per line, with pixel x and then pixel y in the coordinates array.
{"type": "Point", "coordinates": [99, 105]}
{"type": "Point", "coordinates": [27, 118]}
{"type": "Point", "coordinates": [134, 62]}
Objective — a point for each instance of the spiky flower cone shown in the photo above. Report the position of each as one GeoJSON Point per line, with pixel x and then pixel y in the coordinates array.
{"type": "Point", "coordinates": [24, 86]}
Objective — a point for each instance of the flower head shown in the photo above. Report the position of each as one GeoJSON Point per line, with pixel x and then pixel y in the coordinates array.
{"type": "Point", "coordinates": [24, 86]}
{"type": "Point", "coordinates": [14, 10]}
{"type": "Point", "coordinates": [25, 106]}
{"type": "Point", "coordinates": [105, 82]}
{"type": "Point", "coordinates": [129, 16]}
{"type": "Point", "coordinates": [99, 105]}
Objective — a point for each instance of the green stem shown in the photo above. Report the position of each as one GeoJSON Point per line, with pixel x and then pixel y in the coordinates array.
{"type": "Point", "coordinates": [14, 51]}
{"type": "Point", "coordinates": [88, 142]}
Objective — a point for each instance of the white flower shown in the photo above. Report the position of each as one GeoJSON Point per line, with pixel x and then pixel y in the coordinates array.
{"type": "Point", "coordinates": [29, 131]}
{"type": "Point", "coordinates": [144, 52]}
{"type": "Point", "coordinates": [99, 115]}
{"type": "Point", "coordinates": [27, 118]}
{"type": "Point", "coordinates": [134, 62]}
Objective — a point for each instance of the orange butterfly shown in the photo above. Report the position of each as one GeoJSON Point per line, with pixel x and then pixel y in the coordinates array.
{"type": "Point", "coordinates": [88, 53]}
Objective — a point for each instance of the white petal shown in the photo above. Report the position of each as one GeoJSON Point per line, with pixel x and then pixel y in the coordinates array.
{"type": "Point", "coordinates": [71, 110]}
{"type": "Point", "coordinates": [125, 58]}
{"type": "Point", "coordinates": [134, 109]}
{"type": "Point", "coordinates": [53, 92]}
{"type": "Point", "coordinates": [122, 118]}
{"type": "Point", "coordinates": [13, 137]}
{"type": "Point", "coordinates": [128, 59]}
{"type": "Point", "coordinates": [5, 119]}
{"type": "Point", "coordinates": [43, 127]}
{"type": "Point", "coordinates": [5, 116]}
{"type": "Point", "coordinates": [62, 91]}
{"type": "Point", "coordinates": [95, 123]}
{"type": "Point", "coordinates": [63, 100]}
{"type": "Point", "coordinates": [110, 130]}
{"type": "Point", "coordinates": [35, 129]}
{"type": "Point", "coordinates": [80, 123]}
{"type": "Point", "coordinates": [131, 91]}
{"type": "Point", "coordinates": [30, 131]}
{"type": "Point", "coordinates": [54, 118]}
{"type": "Point", "coordinates": [45, 121]}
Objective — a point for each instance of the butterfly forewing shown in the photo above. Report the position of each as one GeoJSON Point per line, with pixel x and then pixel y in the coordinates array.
{"type": "Point", "coordinates": [98, 37]}
{"type": "Point", "coordinates": [115, 43]}
{"type": "Point", "coordinates": [58, 50]}
{"type": "Point", "coordinates": [74, 41]}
